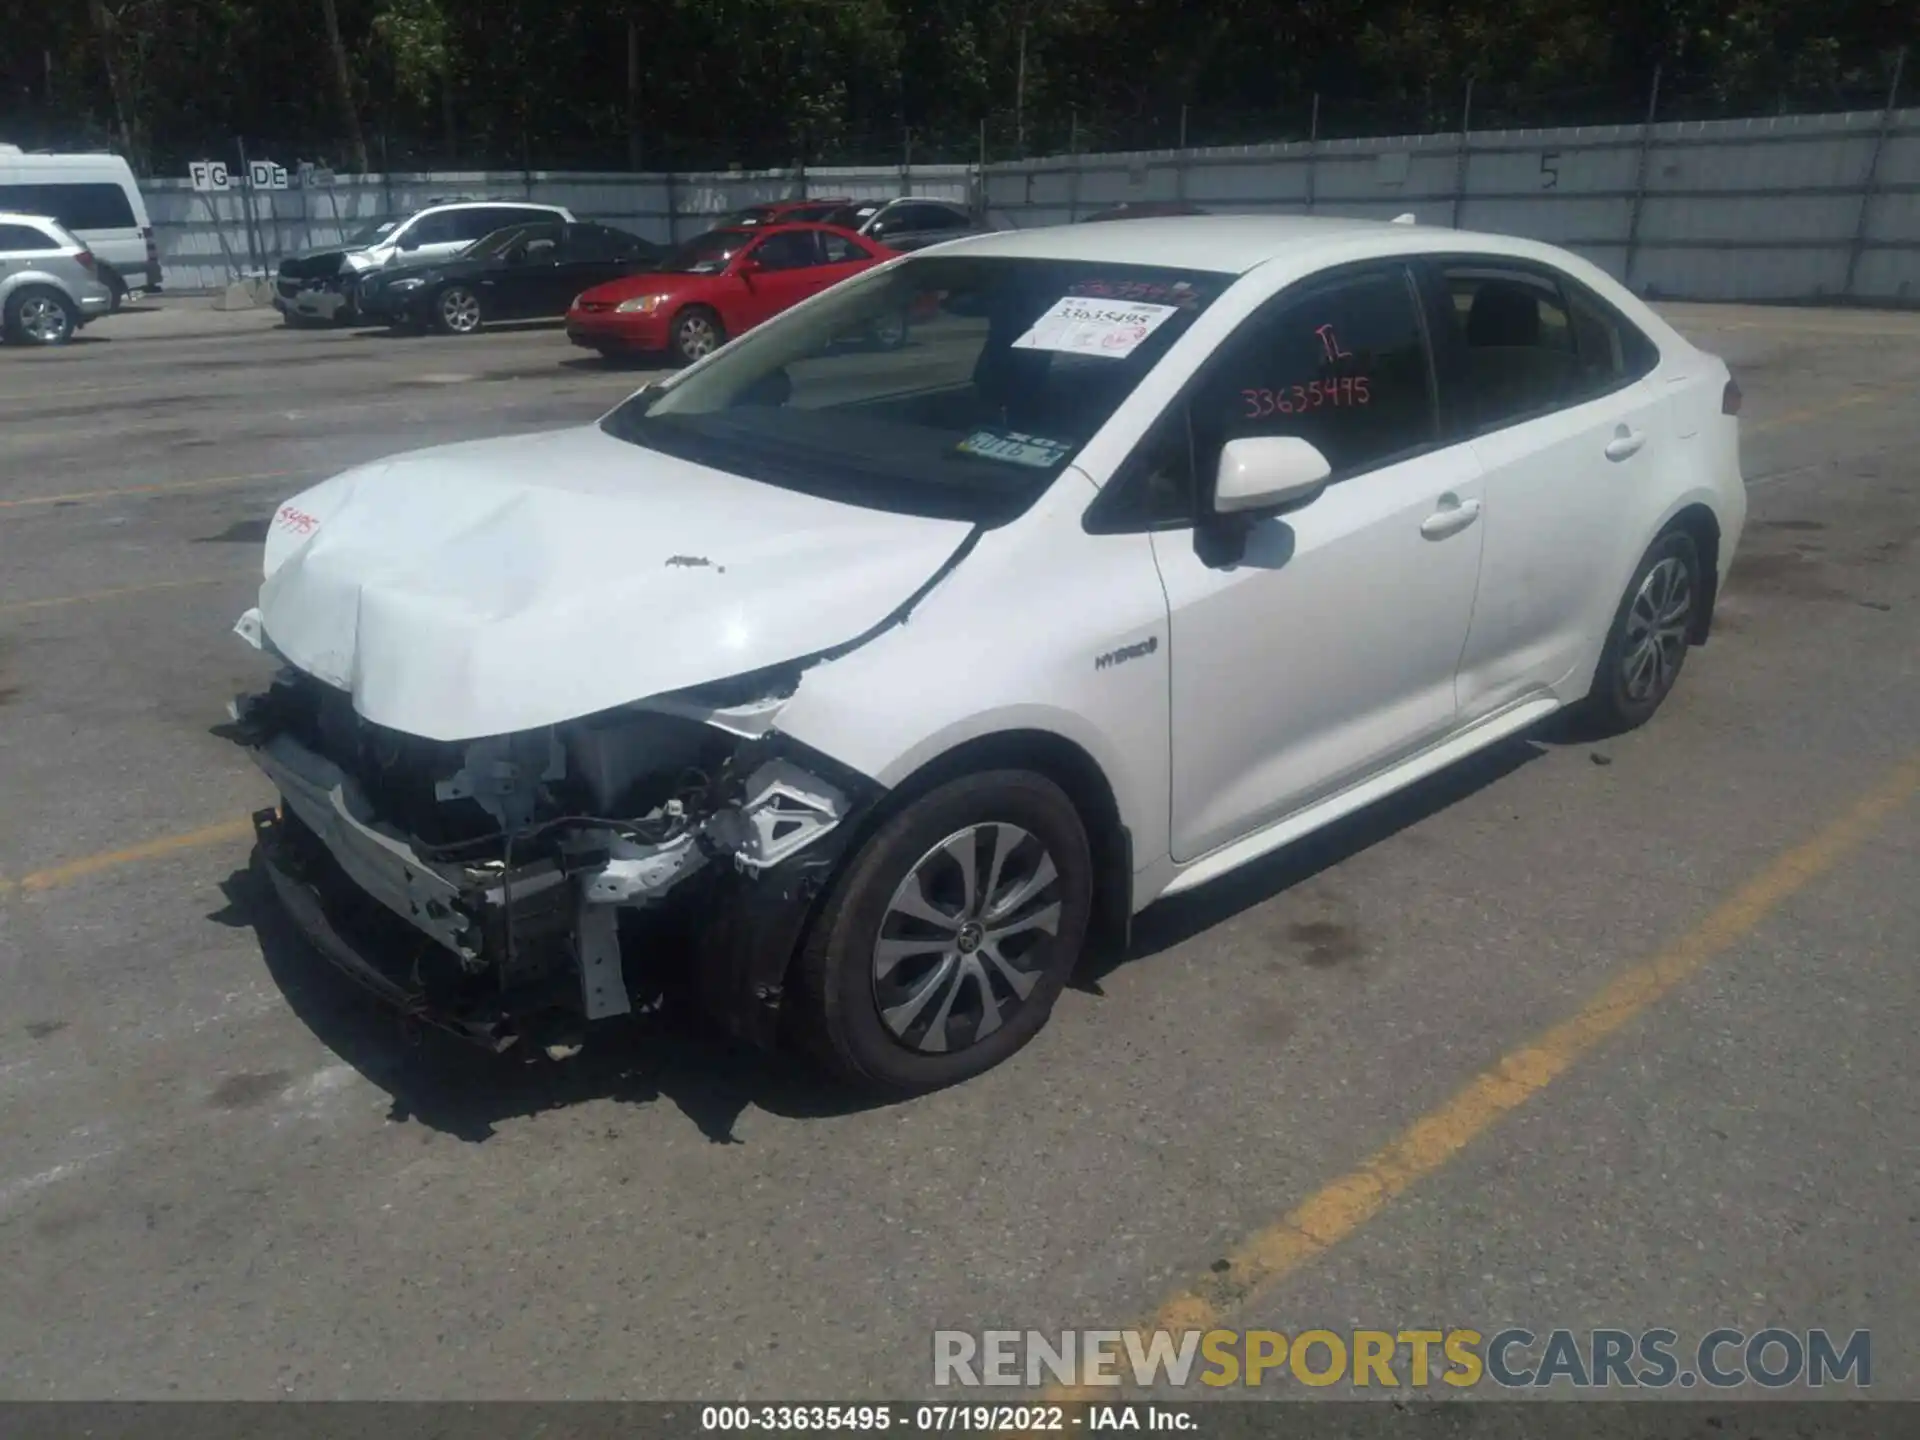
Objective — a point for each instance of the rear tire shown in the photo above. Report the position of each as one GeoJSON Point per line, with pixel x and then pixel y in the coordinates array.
{"type": "Point", "coordinates": [697, 333]}
{"type": "Point", "coordinates": [40, 315]}
{"type": "Point", "coordinates": [914, 976]}
{"type": "Point", "coordinates": [1648, 643]}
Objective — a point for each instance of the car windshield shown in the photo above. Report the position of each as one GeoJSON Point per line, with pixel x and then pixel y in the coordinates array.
{"type": "Point", "coordinates": [706, 254]}
{"type": "Point", "coordinates": [374, 230]}
{"type": "Point", "coordinates": [947, 385]}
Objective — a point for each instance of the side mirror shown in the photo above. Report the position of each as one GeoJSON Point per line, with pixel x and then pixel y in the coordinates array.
{"type": "Point", "coordinates": [409, 242]}
{"type": "Point", "coordinates": [1268, 474]}
{"type": "Point", "coordinates": [749, 266]}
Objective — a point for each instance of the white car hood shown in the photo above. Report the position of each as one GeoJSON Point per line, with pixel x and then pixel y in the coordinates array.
{"type": "Point", "coordinates": [501, 585]}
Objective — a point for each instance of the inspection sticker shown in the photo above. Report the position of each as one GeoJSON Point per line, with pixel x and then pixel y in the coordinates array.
{"type": "Point", "coordinates": [1079, 326]}
{"type": "Point", "coordinates": [1015, 448]}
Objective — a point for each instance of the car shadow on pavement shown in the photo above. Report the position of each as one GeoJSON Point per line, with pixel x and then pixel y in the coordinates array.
{"type": "Point", "coordinates": [461, 1090]}
{"type": "Point", "coordinates": [1176, 920]}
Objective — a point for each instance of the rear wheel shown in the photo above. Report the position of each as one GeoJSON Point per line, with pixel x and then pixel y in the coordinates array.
{"type": "Point", "coordinates": [1648, 642]}
{"type": "Point", "coordinates": [456, 311]}
{"type": "Point", "coordinates": [697, 333]}
{"type": "Point", "coordinates": [946, 940]}
{"type": "Point", "coordinates": [38, 315]}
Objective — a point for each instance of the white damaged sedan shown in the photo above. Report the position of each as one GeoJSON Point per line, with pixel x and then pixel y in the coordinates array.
{"type": "Point", "coordinates": [853, 692]}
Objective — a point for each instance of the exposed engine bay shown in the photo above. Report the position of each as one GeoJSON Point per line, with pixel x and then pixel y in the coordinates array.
{"type": "Point", "coordinates": [571, 873]}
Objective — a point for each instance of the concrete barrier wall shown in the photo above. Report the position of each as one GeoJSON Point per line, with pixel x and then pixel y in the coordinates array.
{"type": "Point", "coordinates": [1776, 209]}
{"type": "Point", "coordinates": [207, 240]}
{"type": "Point", "coordinates": [1795, 208]}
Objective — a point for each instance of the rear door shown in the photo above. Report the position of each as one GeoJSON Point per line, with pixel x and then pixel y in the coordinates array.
{"type": "Point", "coordinates": [1553, 399]}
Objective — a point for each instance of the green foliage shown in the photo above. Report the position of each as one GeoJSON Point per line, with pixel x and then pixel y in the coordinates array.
{"type": "Point", "coordinates": [772, 82]}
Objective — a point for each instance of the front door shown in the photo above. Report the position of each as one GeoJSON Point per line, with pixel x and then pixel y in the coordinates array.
{"type": "Point", "coordinates": [1328, 649]}
{"type": "Point", "coordinates": [786, 268]}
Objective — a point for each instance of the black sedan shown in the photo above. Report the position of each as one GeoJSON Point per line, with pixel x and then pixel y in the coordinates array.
{"type": "Point", "coordinates": [524, 272]}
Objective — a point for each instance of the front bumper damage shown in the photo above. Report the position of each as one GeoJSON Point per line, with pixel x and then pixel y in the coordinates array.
{"type": "Point", "coordinates": [522, 887]}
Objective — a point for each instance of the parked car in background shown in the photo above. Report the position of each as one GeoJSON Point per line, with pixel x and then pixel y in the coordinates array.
{"type": "Point", "coordinates": [523, 272]}
{"type": "Point", "coordinates": [322, 285]}
{"type": "Point", "coordinates": [853, 700]}
{"type": "Point", "coordinates": [718, 285]}
{"type": "Point", "coordinates": [1143, 210]}
{"type": "Point", "coordinates": [909, 223]}
{"type": "Point", "coordinates": [94, 198]}
{"type": "Point", "coordinates": [783, 212]}
{"type": "Point", "coordinates": [50, 283]}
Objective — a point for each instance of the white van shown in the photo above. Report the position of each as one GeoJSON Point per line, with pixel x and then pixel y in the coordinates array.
{"type": "Point", "coordinates": [93, 196]}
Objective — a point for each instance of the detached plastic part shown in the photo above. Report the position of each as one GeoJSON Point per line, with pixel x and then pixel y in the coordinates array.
{"type": "Point", "coordinates": [249, 629]}
{"type": "Point", "coordinates": [1405, 219]}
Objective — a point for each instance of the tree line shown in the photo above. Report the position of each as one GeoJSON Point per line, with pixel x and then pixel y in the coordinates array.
{"type": "Point", "coordinates": [362, 84]}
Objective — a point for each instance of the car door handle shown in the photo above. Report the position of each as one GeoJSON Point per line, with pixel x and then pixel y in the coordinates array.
{"type": "Point", "coordinates": [1453, 516]}
{"type": "Point", "coordinates": [1625, 443]}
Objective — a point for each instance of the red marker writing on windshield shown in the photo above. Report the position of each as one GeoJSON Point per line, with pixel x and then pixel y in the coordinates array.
{"type": "Point", "coordinates": [1332, 343]}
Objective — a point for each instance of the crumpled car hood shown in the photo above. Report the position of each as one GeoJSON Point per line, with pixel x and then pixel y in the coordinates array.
{"type": "Point", "coordinates": [501, 585]}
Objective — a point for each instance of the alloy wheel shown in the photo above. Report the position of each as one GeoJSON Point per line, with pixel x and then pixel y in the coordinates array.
{"type": "Point", "coordinates": [1656, 636]}
{"type": "Point", "coordinates": [45, 320]}
{"type": "Point", "coordinates": [460, 311]}
{"type": "Point", "coordinates": [963, 941]}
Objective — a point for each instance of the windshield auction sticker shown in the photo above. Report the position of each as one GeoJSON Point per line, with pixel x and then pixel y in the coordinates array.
{"type": "Point", "coordinates": [1015, 448]}
{"type": "Point", "coordinates": [1080, 326]}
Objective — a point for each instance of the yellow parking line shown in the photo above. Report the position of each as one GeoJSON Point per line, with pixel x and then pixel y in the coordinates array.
{"type": "Point", "coordinates": [91, 865]}
{"type": "Point", "coordinates": [22, 607]}
{"type": "Point", "coordinates": [163, 487]}
{"type": "Point", "coordinates": [1338, 1209]}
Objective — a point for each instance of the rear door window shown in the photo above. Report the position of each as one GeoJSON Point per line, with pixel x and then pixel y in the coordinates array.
{"type": "Point", "coordinates": [1609, 350]}
{"type": "Point", "coordinates": [1512, 342]}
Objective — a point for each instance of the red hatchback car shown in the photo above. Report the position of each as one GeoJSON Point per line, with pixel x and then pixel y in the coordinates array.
{"type": "Point", "coordinates": [716, 286]}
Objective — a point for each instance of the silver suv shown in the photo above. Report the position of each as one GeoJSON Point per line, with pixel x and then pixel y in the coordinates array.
{"type": "Point", "coordinates": [49, 283]}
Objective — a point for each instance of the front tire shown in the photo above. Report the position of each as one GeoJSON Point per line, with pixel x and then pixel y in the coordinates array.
{"type": "Point", "coordinates": [697, 333]}
{"type": "Point", "coordinates": [456, 311]}
{"type": "Point", "coordinates": [1648, 642]}
{"type": "Point", "coordinates": [946, 940]}
{"type": "Point", "coordinates": [39, 315]}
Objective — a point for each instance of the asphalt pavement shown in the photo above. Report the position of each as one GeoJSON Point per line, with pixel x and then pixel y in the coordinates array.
{"type": "Point", "coordinates": [1580, 1034]}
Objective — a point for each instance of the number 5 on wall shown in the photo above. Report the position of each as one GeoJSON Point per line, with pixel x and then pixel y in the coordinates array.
{"type": "Point", "coordinates": [1550, 169]}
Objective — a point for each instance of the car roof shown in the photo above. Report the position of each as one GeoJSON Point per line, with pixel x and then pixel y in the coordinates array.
{"type": "Point", "coordinates": [489, 204]}
{"type": "Point", "coordinates": [758, 232]}
{"type": "Point", "coordinates": [1235, 244]}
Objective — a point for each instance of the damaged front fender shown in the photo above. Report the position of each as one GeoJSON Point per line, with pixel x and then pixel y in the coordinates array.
{"type": "Point", "coordinates": [568, 868]}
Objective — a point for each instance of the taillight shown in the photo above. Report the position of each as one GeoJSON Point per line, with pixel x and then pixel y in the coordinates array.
{"type": "Point", "coordinates": [85, 257]}
{"type": "Point", "coordinates": [153, 245]}
{"type": "Point", "coordinates": [1730, 398]}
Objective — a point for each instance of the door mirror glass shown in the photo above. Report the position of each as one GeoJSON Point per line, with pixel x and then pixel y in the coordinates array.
{"type": "Point", "coordinates": [1265, 474]}
{"type": "Point", "coordinates": [410, 240]}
